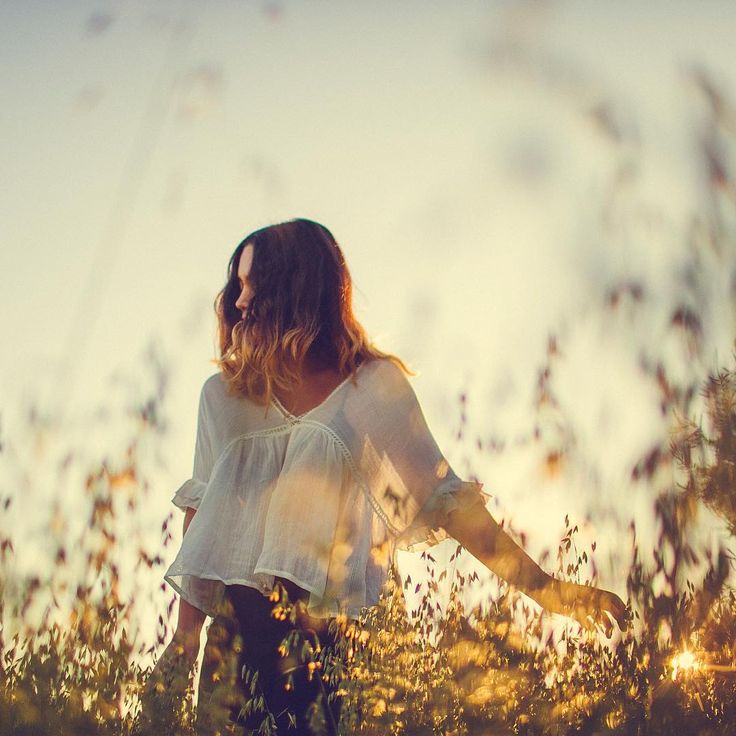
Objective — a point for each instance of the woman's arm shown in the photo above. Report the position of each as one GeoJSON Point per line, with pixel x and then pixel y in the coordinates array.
{"type": "Point", "coordinates": [481, 535]}
{"type": "Point", "coordinates": [188, 516]}
{"type": "Point", "coordinates": [191, 619]}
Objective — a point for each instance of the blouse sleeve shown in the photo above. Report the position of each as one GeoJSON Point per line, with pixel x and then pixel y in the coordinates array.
{"type": "Point", "coordinates": [418, 487]}
{"type": "Point", "coordinates": [190, 493]}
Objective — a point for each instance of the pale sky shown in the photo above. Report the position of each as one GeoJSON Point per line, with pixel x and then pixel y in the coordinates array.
{"type": "Point", "coordinates": [452, 150]}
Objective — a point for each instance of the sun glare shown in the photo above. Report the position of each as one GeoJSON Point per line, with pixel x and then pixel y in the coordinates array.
{"type": "Point", "coordinates": [684, 662]}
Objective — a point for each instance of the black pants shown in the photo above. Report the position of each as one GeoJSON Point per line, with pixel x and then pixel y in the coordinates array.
{"type": "Point", "coordinates": [261, 635]}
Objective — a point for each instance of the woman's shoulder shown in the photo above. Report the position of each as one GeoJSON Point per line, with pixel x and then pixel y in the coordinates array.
{"type": "Point", "coordinates": [218, 399]}
{"type": "Point", "coordinates": [214, 388]}
{"type": "Point", "coordinates": [213, 383]}
{"type": "Point", "coordinates": [382, 365]}
{"type": "Point", "coordinates": [378, 369]}
{"type": "Point", "coordinates": [387, 379]}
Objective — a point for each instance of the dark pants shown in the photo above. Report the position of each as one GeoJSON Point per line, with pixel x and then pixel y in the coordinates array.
{"type": "Point", "coordinates": [261, 636]}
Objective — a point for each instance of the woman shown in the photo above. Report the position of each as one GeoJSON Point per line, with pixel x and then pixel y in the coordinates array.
{"type": "Point", "coordinates": [313, 466]}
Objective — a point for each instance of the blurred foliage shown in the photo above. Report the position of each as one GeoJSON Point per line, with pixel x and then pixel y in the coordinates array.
{"type": "Point", "coordinates": [708, 454]}
{"type": "Point", "coordinates": [78, 671]}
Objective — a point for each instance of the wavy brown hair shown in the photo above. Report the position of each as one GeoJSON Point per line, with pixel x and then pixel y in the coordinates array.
{"type": "Point", "coordinates": [301, 304]}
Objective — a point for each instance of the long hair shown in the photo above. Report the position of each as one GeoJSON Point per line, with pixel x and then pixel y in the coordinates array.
{"type": "Point", "coordinates": [301, 303]}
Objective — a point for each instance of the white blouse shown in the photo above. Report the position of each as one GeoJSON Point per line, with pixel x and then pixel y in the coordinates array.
{"type": "Point", "coordinates": [324, 499]}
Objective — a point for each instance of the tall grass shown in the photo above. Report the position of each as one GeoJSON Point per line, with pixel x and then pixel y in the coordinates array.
{"type": "Point", "coordinates": [71, 665]}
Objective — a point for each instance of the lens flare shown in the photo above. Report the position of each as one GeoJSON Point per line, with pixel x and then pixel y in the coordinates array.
{"type": "Point", "coordinates": [684, 662]}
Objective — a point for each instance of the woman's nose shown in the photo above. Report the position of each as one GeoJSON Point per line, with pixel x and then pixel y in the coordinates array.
{"type": "Point", "coordinates": [243, 299]}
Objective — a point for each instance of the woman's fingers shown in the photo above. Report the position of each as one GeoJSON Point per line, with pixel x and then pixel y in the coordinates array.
{"type": "Point", "coordinates": [593, 607]}
{"type": "Point", "coordinates": [607, 623]}
{"type": "Point", "coordinates": [600, 608]}
{"type": "Point", "coordinates": [603, 624]}
{"type": "Point", "coordinates": [617, 608]}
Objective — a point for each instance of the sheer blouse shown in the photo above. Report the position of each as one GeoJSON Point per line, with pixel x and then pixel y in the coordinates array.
{"type": "Point", "coordinates": [324, 499]}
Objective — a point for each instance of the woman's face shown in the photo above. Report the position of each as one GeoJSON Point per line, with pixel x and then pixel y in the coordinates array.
{"type": "Point", "coordinates": [246, 292]}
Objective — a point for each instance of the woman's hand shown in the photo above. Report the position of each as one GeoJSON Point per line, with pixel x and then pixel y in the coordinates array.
{"type": "Point", "coordinates": [589, 606]}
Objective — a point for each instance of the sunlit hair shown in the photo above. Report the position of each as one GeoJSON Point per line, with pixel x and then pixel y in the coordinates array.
{"type": "Point", "coordinates": [301, 303]}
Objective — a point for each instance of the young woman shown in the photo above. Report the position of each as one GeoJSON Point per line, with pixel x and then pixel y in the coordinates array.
{"type": "Point", "coordinates": [313, 466]}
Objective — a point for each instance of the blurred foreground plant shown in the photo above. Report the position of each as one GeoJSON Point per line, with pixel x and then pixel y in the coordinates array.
{"type": "Point", "coordinates": [71, 662]}
{"type": "Point", "coordinates": [74, 667]}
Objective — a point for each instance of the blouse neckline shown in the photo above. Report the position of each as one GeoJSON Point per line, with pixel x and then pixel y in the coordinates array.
{"type": "Point", "coordinates": [289, 415]}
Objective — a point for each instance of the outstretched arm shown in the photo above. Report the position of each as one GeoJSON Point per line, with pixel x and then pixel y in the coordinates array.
{"type": "Point", "coordinates": [481, 535]}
